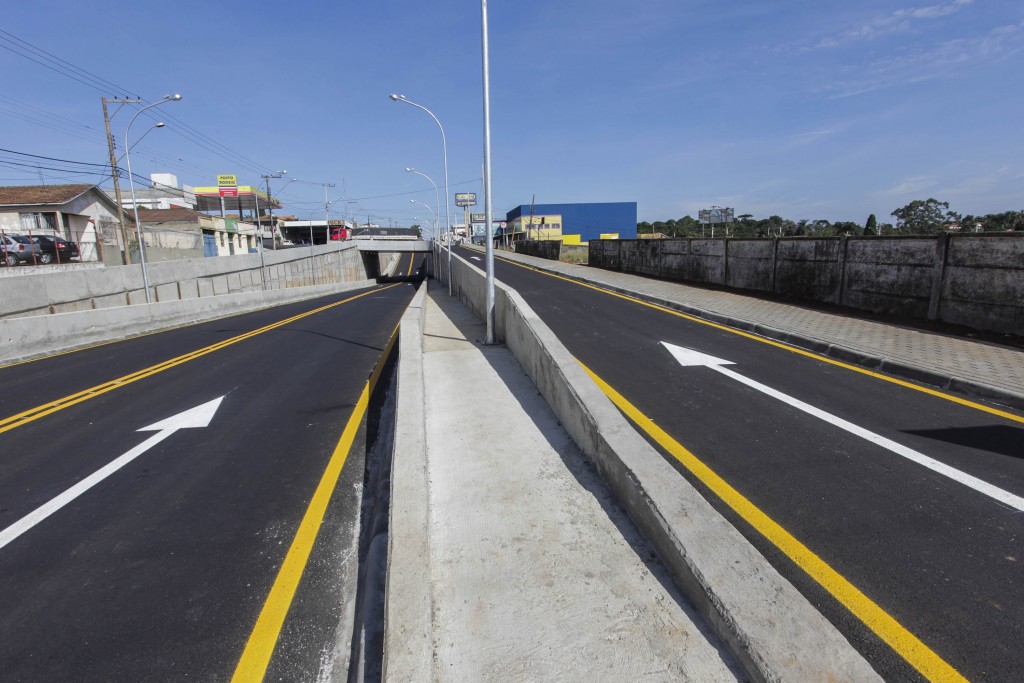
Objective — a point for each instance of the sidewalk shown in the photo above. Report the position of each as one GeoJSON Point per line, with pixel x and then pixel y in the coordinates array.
{"type": "Point", "coordinates": [536, 573]}
{"type": "Point", "coordinates": [986, 370]}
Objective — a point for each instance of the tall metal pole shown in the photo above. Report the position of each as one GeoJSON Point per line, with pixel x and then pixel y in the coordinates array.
{"type": "Point", "coordinates": [489, 261]}
{"type": "Point", "coordinates": [447, 208]}
{"type": "Point", "coordinates": [437, 200]}
{"type": "Point", "coordinates": [131, 184]}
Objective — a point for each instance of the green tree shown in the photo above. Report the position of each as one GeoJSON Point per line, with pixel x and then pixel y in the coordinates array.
{"type": "Point", "coordinates": [871, 227]}
{"type": "Point", "coordinates": [928, 217]}
{"type": "Point", "coordinates": [1000, 222]}
{"type": "Point", "coordinates": [644, 228]}
{"type": "Point", "coordinates": [845, 228]}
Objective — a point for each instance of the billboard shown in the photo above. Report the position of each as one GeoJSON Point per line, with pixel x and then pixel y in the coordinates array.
{"type": "Point", "coordinates": [465, 199]}
{"type": "Point", "coordinates": [227, 180]}
{"type": "Point", "coordinates": [717, 214]}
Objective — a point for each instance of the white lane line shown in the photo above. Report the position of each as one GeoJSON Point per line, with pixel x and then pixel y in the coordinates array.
{"type": "Point", "coordinates": [688, 357]}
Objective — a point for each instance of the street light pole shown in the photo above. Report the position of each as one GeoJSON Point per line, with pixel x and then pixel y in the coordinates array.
{"type": "Point", "coordinates": [489, 260]}
{"type": "Point", "coordinates": [436, 200]}
{"type": "Point", "coordinates": [447, 208]}
{"type": "Point", "coordinates": [416, 201]}
{"type": "Point", "coordinates": [131, 183]}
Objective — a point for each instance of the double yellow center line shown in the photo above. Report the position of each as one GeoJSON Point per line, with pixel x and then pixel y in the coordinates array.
{"type": "Point", "coordinates": [45, 409]}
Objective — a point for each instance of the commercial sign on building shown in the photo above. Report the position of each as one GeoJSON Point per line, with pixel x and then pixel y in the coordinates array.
{"type": "Point", "coordinates": [465, 199]}
{"type": "Point", "coordinates": [228, 185]}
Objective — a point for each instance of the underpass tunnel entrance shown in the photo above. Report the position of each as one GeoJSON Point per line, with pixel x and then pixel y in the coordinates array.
{"type": "Point", "coordinates": [402, 271]}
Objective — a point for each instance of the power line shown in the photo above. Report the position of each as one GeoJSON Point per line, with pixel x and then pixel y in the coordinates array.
{"type": "Point", "coordinates": [97, 81]}
{"type": "Point", "coordinates": [76, 73]}
{"type": "Point", "coordinates": [66, 161]}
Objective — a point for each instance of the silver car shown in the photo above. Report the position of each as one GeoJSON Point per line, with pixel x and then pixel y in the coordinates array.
{"type": "Point", "coordinates": [19, 249]}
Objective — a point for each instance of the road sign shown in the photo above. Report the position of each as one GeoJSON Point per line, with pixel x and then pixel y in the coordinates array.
{"type": "Point", "coordinates": [465, 199]}
{"type": "Point", "coordinates": [227, 180]}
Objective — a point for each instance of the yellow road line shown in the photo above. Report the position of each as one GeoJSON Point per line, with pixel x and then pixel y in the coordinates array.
{"type": "Point", "coordinates": [256, 656]}
{"type": "Point", "coordinates": [781, 345]}
{"type": "Point", "coordinates": [905, 643]}
{"type": "Point", "coordinates": [45, 409]}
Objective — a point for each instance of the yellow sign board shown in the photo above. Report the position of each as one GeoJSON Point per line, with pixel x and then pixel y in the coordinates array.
{"type": "Point", "coordinates": [227, 180]}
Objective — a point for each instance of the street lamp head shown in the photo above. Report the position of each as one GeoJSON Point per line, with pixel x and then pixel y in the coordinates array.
{"type": "Point", "coordinates": [174, 98]}
{"type": "Point", "coordinates": [160, 124]}
{"type": "Point", "coordinates": [409, 170]}
{"type": "Point", "coordinates": [394, 97]}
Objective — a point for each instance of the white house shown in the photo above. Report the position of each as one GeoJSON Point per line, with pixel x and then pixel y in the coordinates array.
{"type": "Point", "coordinates": [79, 213]}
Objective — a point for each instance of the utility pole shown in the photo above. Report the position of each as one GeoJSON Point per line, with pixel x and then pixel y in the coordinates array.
{"type": "Point", "coordinates": [114, 174]}
{"type": "Point", "coordinates": [270, 207]}
{"type": "Point", "coordinates": [327, 209]}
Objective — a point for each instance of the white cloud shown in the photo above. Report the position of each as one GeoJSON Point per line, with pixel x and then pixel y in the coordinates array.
{"type": "Point", "coordinates": [917, 65]}
{"type": "Point", "coordinates": [911, 185]}
{"type": "Point", "coordinates": [899, 21]}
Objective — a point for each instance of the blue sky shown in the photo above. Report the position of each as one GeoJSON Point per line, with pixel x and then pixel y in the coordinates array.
{"type": "Point", "coordinates": [798, 108]}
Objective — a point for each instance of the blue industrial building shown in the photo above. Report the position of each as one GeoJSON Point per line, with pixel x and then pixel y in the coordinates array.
{"type": "Point", "coordinates": [589, 221]}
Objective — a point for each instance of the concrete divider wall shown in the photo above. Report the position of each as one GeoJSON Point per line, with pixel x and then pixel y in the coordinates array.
{"type": "Point", "coordinates": [408, 612]}
{"type": "Point", "coordinates": [985, 280]}
{"type": "Point", "coordinates": [895, 279]}
{"type": "Point", "coordinates": [41, 335]}
{"type": "Point", "coordinates": [37, 293]}
{"type": "Point", "coordinates": [975, 280]}
{"type": "Point", "coordinates": [549, 249]}
{"type": "Point", "coordinates": [770, 628]}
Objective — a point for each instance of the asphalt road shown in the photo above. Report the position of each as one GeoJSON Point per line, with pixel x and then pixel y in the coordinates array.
{"type": "Point", "coordinates": [161, 570]}
{"type": "Point", "coordinates": [940, 558]}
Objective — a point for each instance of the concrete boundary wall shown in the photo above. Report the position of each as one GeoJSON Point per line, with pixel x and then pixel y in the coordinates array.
{"type": "Point", "coordinates": [41, 335]}
{"type": "Point", "coordinates": [975, 280]}
{"type": "Point", "coordinates": [37, 293]}
{"type": "Point", "coordinates": [408, 644]}
{"type": "Point", "coordinates": [771, 629]}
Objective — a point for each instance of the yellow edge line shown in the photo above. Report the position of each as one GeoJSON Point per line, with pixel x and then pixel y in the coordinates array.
{"type": "Point", "coordinates": [781, 345]}
{"type": "Point", "coordinates": [256, 656]}
{"type": "Point", "coordinates": [38, 412]}
{"type": "Point", "coordinates": [906, 644]}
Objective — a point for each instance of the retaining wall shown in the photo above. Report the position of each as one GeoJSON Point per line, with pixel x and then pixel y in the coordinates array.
{"type": "Point", "coordinates": [976, 280]}
{"type": "Point", "coordinates": [36, 292]}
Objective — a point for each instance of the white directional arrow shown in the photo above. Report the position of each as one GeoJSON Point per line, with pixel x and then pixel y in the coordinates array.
{"type": "Point", "coordinates": [199, 416]}
{"type": "Point", "coordinates": [475, 258]}
{"type": "Point", "coordinates": [689, 358]}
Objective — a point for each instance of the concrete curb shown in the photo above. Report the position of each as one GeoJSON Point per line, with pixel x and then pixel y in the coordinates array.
{"type": "Point", "coordinates": [35, 336]}
{"type": "Point", "coordinates": [408, 611]}
{"type": "Point", "coordinates": [771, 629]}
{"type": "Point", "coordinates": [836, 351]}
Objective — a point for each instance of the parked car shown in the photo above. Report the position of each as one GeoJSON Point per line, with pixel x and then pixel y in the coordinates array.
{"type": "Point", "coordinates": [55, 248]}
{"type": "Point", "coordinates": [19, 249]}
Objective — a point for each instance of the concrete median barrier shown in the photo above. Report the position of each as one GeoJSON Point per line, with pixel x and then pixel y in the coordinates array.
{"type": "Point", "coordinates": [769, 626]}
